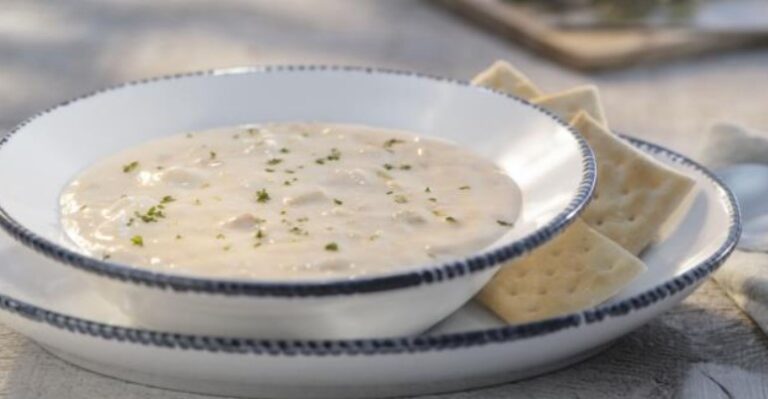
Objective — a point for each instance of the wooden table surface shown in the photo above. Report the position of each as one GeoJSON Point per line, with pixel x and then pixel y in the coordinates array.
{"type": "Point", "coordinates": [54, 50]}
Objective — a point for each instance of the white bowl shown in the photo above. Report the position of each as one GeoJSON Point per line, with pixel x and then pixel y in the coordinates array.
{"type": "Point", "coordinates": [551, 163]}
{"type": "Point", "coordinates": [470, 349]}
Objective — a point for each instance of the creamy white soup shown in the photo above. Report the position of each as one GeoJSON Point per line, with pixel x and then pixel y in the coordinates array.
{"type": "Point", "coordinates": [289, 201]}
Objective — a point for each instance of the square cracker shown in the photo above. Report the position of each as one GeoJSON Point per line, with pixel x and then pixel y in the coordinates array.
{"type": "Point", "coordinates": [578, 269]}
{"type": "Point", "coordinates": [568, 103]}
{"type": "Point", "coordinates": [505, 78]}
{"type": "Point", "coordinates": [635, 194]}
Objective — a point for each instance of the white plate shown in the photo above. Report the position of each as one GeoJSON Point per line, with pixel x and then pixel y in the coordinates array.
{"type": "Point", "coordinates": [470, 349]}
{"type": "Point", "coordinates": [551, 163]}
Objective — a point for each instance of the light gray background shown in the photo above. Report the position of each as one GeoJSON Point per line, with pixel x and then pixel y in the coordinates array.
{"type": "Point", "coordinates": [51, 51]}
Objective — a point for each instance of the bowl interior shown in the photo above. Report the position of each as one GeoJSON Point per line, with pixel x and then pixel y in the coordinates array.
{"type": "Point", "coordinates": [40, 157]}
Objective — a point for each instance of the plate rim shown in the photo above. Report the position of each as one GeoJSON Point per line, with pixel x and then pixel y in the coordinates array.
{"type": "Point", "coordinates": [429, 274]}
{"type": "Point", "coordinates": [395, 345]}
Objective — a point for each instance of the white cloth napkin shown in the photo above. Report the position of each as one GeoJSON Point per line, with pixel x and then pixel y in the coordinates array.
{"type": "Point", "coordinates": [744, 277]}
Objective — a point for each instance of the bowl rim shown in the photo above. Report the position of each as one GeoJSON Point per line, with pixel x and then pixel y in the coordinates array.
{"type": "Point", "coordinates": [427, 274]}
{"type": "Point", "coordinates": [411, 344]}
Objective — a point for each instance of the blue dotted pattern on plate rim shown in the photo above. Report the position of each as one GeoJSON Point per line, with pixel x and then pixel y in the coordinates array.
{"type": "Point", "coordinates": [428, 275]}
{"type": "Point", "coordinates": [408, 344]}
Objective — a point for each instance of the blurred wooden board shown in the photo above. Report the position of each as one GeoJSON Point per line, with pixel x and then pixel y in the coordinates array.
{"type": "Point", "coordinates": [599, 48]}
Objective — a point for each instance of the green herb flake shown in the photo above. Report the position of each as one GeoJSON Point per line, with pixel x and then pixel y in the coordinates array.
{"type": "Point", "coordinates": [130, 167]}
{"type": "Point", "coordinates": [427, 190]}
{"type": "Point", "coordinates": [137, 241]}
{"type": "Point", "coordinates": [401, 199]}
{"type": "Point", "coordinates": [320, 161]}
{"type": "Point", "coordinates": [269, 170]}
{"type": "Point", "coordinates": [335, 155]}
{"type": "Point", "coordinates": [106, 257]}
{"type": "Point", "coordinates": [290, 171]}
{"type": "Point", "coordinates": [198, 202]}
{"type": "Point", "coordinates": [274, 161]}
{"type": "Point", "coordinates": [405, 167]}
{"type": "Point", "coordinates": [298, 231]}
{"type": "Point", "coordinates": [227, 247]}
{"type": "Point", "coordinates": [390, 192]}
{"type": "Point", "coordinates": [212, 154]}
{"type": "Point", "coordinates": [284, 150]}
{"type": "Point", "coordinates": [152, 215]}
{"type": "Point", "coordinates": [388, 166]}
{"type": "Point", "coordinates": [332, 247]}
{"type": "Point", "coordinates": [287, 183]}
{"type": "Point", "coordinates": [391, 143]}
{"type": "Point", "coordinates": [178, 236]}
{"type": "Point", "coordinates": [262, 196]}
{"type": "Point", "coordinates": [338, 201]}
{"type": "Point", "coordinates": [451, 219]}
{"type": "Point", "coordinates": [464, 188]}
{"type": "Point", "coordinates": [167, 199]}
{"type": "Point", "coordinates": [260, 234]}
{"type": "Point", "coordinates": [505, 223]}
{"type": "Point", "coordinates": [220, 236]}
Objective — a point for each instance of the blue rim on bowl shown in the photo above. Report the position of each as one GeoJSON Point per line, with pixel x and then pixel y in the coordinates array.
{"type": "Point", "coordinates": [426, 275]}
{"type": "Point", "coordinates": [381, 346]}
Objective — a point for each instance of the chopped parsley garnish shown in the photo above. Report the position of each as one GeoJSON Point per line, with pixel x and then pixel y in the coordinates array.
{"type": "Point", "coordinates": [505, 223]}
{"type": "Point", "coordinates": [130, 167]}
{"type": "Point", "coordinates": [287, 183]}
{"type": "Point", "coordinates": [130, 222]}
{"type": "Point", "coordinates": [260, 234]}
{"type": "Point", "coordinates": [405, 167]}
{"type": "Point", "coordinates": [212, 154]}
{"type": "Point", "coordinates": [178, 236]}
{"type": "Point", "coordinates": [167, 199]}
{"type": "Point", "coordinates": [451, 219]}
{"type": "Point", "coordinates": [427, 190]}
{"type": "Point", "coordinates": [338, 201]}
{"type": "Point", "coordinates": [290, 171]}
{"type": "Point", "coordinates": [388, 166]}
{"type": "Point", "coordinates": [198, 202]}
{"type": "Point", "coordinates": [464, 188]}
{"type": "Point", "coordinates": [332, 246]}
{"type": "Point", "coordinates": [274, 161]}
{"type": "Point", "coordinates": [335, 155]}
{"type": "Point", "coordinates": [220, 236]}
{"type": "Point", "coordinates": [151, 215]}
{"type": "Point", "coordinates": [298, 231]}
{"type": "Point", "coordinates": [137, 241]}
{"type": "Point", "coordinates": [320, 161]}
{"type": "Point", "coordinates": [401, 199]}
{"type": "Point", "coordinates": [433, 199]}
{"type": "Point", "coordinates": [106, 256]}
{"type": "Point", "coordinates": [284, 150]}
{"type": "Point", "coordinates": [227, 247]}
{"type": "Point", "coordinates": [262, 196]}
{"type": "Point", "coordinates": [391, 142]}
{"type": "Point", "coordinates": [390, 192]}
{"type": "Point", "coordinates": [269, 170]}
